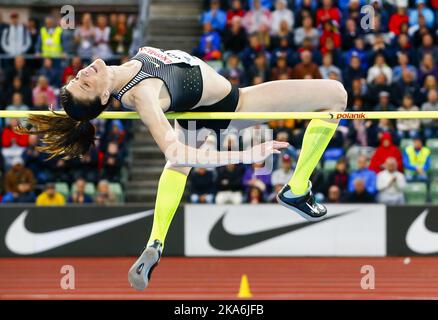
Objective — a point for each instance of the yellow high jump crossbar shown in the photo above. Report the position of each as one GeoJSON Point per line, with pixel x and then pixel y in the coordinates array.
{"type": "Point", "coordinates": [249, 115]}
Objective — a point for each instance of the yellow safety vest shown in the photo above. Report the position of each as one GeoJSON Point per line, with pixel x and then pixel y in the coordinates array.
{"type": "Point", "coordinates": [51, 46]}
{"type": "Point", "coordinates": [417, 159]}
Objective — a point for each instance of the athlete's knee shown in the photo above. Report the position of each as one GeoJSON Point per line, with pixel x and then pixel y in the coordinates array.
{"type": "Point", "coordinates": [339, 96]}
{"type": "Point", "coordinates": [183, 170]}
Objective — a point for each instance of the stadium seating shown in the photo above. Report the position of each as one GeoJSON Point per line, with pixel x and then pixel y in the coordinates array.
{"type": "Point", "coordinates": [116, 188]}
{"type": "Point", "coordinates": [416, 193]}
{"type": "Point", "coordinates": [434, 192]}
{"type": "Point", "coordinates": [63, 189]}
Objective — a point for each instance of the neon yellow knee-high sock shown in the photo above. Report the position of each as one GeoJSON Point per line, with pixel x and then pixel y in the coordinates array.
{"type": "Point", "coordinates": [170, 190]}
{"type": "Point", "coordinates": [316, 138]}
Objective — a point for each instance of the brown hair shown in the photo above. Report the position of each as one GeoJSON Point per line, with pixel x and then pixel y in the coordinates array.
{"type": "Point", "coordinates": [66, 136]}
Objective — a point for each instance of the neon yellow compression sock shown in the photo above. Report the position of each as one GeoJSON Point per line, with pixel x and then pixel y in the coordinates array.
{"type": "Point", "coordinates": [170, 190]}
{"type": "Point", "coordinates": [316, 138]}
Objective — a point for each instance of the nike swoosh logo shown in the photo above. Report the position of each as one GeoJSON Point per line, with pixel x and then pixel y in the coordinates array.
{"type": "Point", "coordinates": [221, 239]}
{"type": "Point", "coordinates": [19, 240]}
{"type": "Point", "coordinates": [419, 238]}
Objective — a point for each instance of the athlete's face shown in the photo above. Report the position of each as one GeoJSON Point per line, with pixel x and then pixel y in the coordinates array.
{"type": "Point", "coordinates": [91, 82]}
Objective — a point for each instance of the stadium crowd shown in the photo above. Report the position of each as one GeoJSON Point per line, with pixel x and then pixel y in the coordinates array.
{"type": "Point", "coordinates": [37, 57]}
{"type": "Point", "coordinates": [387, 63]}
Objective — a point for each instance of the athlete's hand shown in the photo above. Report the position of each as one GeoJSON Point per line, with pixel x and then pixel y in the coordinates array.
{"type": "Point", "coordinates": [260, 152]}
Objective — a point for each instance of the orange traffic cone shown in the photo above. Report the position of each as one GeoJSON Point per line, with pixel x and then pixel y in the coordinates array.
{"type": "Point", "coordinates": [244, 291]}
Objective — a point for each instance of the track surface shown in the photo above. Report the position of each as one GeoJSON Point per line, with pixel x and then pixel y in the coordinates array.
{"type": "Point", "coordinates": [219, 278]}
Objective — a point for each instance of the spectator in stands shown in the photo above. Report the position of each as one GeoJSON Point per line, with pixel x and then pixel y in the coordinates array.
{"type": "Point", "coordinates": [423, 11]}
{"type": "Point", "coordinates": [416, 160]}
{"type": "Point", "coordinates": [50, 197]}
{"type": "Point", "coordinates": [32, 27]}
{"type": "Point", "coordinates": [385, 150]}
{"type": "Point", "coordinates": [256, 17]}
{"type": "Point", "coordinates": [121, 36]}
{"type": "Point", "coordinates": [428, 67]}
{"type": "Point", "coordinates": [327, 12]}
{"type": "Point", "coordinates": [428, 47]}
{"type": "Point", "coordinates": [349, 34]}
{"type": "Point", "coordinates": [378, 68]}
{"type": "Point", "coordinates": [283, 135]}
{"type": "Point", "coordinates": [280, 14]}
{"type": "Point", "coordinates": [339, 176]}
{"type": "Point", "coordinates": [17, 104]}
{"type": "Point", "coordinates": [23, 194]}
{"type": "Point", "coordinates": [59, 170]}
{"type": "Point", "coordinates": [19, 70]}
{"type": "Point", "coordinates": [430, 126]}
{"type": "Point", "coordinates": [384, 103]}
{"type": "Point", "coordinates": [102, 34]}
{"type": "Point", "coordinates": [362, 172]}
{"type": "Point", "coordinates": [50, 73]}
{"type": "Point", "coordinates": [18, 87]}
{"type": "Point", "coordinates": [233, 69]}
{"type": "Point", "coordinates": [202, 186]}
{"type": "Point", "coordinates": [259, 177]}
{"type": "Point", "coordinates": [215, 16]}
{"type": "Point", "coordinates": [79, 195]}
{"type": "Point", "coordinates": [430, 83]}
{"type": "Point", "coordinates": [112, 162]}
{"type": "Point", "coordinates": [18, 174]}
{"type": "Point", "coordinates": [72, 69]}
{"type": "Point", "coordinates": [85, 36]}
{"type": "Point", "coordinates": [306, 69]}
{"type": "Point", "coordinates": [13, 144]}
{"type": "Point", "coordinates": [15, 38]}
{"type": "Point", "coordinates": [50, 40]}
{"type": "Point", "coordinates": [255, 195]}
{"type": "Point", "coordinates": [334, 194]}
{"type": "Point", "coordinates": [104, 194]}
{"type": "Point", "coordinates": [40, 102]}
{"type": "Point", "coordinates": [281, 176]}
{"type": "Point", "coordinates": [236, 10]}
{"type": "Point", "coordinates": [399, 18]}
{"type": "Point", "coordinates": [86, 166]}
{"type": "Point", "coordinates": [209, 44]}
{"type": "Point", "coordinates": [408, 127]}
{"type": "Point", "coordinates": [44, 88]}
{"type": "Point", "coordinates": [403, 64]}
{"type": "Point", "coordinates": [353, 72]}
{"type": "Point", "coordinates": [327, 66]}
{"type": "Point", "coordinates": [281, 68]}
{"type": "Point", "coordinates": [259, 68]}
{"type": "Point", "coordinates": [35, 160]}
{"type": "Point", "coordinates": [360, 193]}
{"type": "Point", "coordinates": [235, 39]}
{"type": "Point", "coordinates": [390, 183]}
{"type": "Point", "coordinates": [330, 38]}
{"type": "Point", "coordinates": [229, 184]}
{"type": "Point", "coordinates": [249, 53]}
{"type": "Point", "coordinates": [406, 85]}
{"type": "Point", "coordinates": [307, 31]}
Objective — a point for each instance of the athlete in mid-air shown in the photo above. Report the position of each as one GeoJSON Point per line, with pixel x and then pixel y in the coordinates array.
{"type": "Point", "coordinates": [154, 82]}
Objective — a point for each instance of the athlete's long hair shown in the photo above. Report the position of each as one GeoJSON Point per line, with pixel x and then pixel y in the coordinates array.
{"type": "Point", "coordinates": [66, 136]}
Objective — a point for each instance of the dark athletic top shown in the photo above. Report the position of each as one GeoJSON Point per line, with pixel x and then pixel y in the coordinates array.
{"type": "Point", "coordinates": [179, 71]}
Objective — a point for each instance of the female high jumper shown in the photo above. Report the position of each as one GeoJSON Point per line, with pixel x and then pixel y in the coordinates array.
{"type": "Point", "coordinates": [154, 82]}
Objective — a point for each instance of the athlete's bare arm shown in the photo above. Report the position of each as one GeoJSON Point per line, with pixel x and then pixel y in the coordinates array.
{"type": "Point", "coordinates": [147, 104]}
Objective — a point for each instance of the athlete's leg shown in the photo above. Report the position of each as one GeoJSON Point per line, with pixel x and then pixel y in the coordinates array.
{"type": "Point", "coordinates": [171, 187]}
{"type": "Point", "coordinates": [299, 96]}
{"type": "Point", "coordinates": [170, 190]}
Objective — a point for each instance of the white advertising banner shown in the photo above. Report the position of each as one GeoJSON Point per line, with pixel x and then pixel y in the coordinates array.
{"type": "Point", "coordinates": [272, 230]}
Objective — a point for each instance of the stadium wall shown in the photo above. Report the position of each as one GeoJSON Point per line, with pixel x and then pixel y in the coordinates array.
{"type": "Point", "coordinates": [212, 230]}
